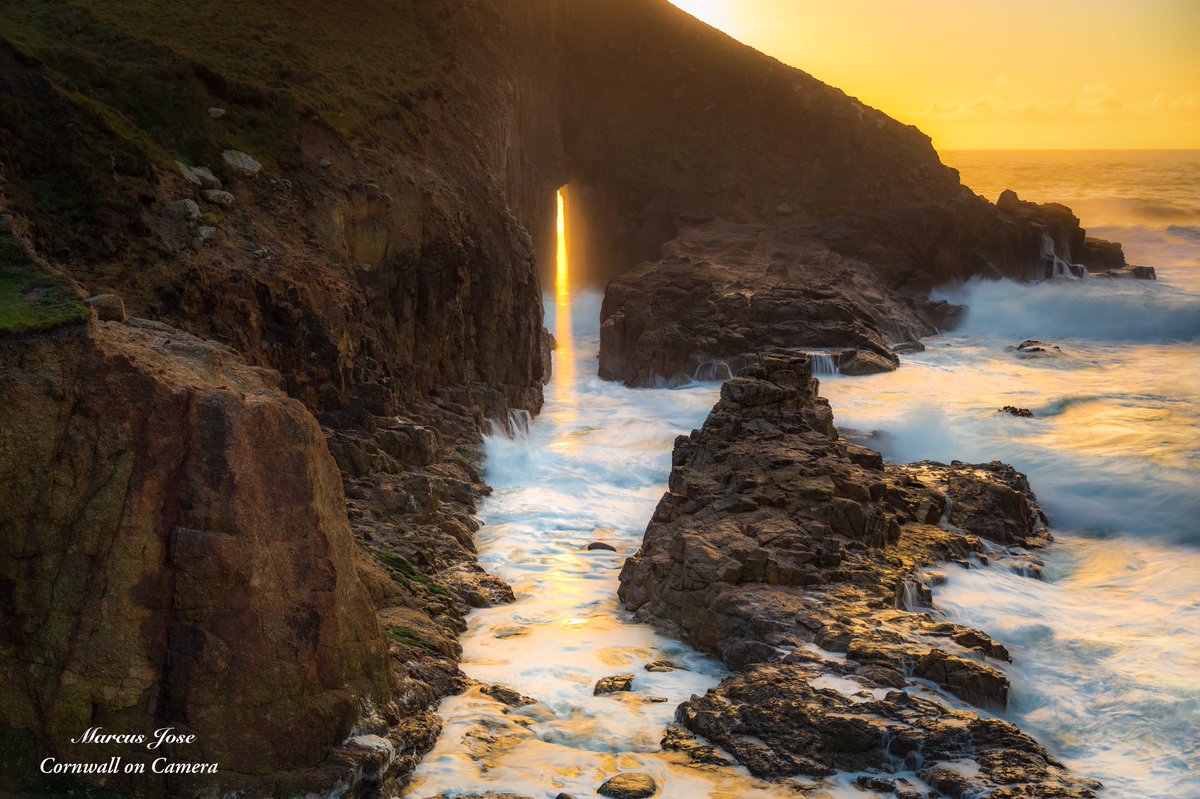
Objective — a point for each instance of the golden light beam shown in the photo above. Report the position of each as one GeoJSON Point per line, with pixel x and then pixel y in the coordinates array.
{"type": "Point", "coordinates": [564, 356]}
{"type": "Point", "coordinates": [562, 285]}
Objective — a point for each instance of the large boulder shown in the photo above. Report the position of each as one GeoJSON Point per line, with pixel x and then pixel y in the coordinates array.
{"type": "Point", "coordinates": [174, 552]}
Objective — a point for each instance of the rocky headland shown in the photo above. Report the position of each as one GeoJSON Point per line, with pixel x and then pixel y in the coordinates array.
{"type": "Point", "coordinates": [267, 277]}
{"type": "Point", "coordinates": [803, 561]}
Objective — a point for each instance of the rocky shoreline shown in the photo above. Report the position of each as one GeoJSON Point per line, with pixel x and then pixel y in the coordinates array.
{"type": "Point", "coordinates": [346, 234]}
{"type": "Point", "coordinates": [856, 291]}
{"type": "Point", "coordinates": [804, 562]}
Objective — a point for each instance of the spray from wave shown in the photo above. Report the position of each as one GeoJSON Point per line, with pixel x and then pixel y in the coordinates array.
{"type": "Point", "coordinates": [1099, 310]}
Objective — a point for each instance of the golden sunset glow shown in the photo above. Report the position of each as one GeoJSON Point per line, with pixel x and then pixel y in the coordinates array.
{"type": "Point", "coordinates": [1011, 75]}
{"type": "Point", "coordinates": [562, 285]}
{"type": "Point", "coordinates": [564, 356]}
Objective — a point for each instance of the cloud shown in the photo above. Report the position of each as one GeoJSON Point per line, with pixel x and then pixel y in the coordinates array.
{"type": "Point", "coordinates": [1092, 100]}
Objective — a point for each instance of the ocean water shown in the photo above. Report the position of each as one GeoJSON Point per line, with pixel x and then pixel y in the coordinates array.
{"type": "Point", "coordinates": [591, 468]}
{"type": "Point", "coordinates": [1149, 200]}
{"type": "Point", "coordinates": [1106, 669]}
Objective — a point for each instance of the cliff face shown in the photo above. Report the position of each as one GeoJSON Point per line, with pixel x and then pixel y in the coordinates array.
{"type": "Point", "coordinates": [668, 120]}
{"type": "Point", "coordinates": [176, 553]}
{"type": "Point", "coordinates": [344, 200]}
{"type": "Point", "coordinates": [366, 262]}
{"type": "Point", "coordinates": [672, 131]}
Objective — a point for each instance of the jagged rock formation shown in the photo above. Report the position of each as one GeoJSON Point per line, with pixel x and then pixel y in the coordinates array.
{"type": "Point", "coordinates": [657, 146]}
{"type": "Point", "coordinates": [798, 558]}
{"type": "Point", "coordinates": [721, 293]}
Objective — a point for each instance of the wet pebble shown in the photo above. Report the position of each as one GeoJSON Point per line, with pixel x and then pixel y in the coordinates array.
{"type": "Point", "coordinates": [502, 693]}
{"type": "Point", "coordinates": [628, 785]}
{"type": "Point", "coordinates": [613, 684]}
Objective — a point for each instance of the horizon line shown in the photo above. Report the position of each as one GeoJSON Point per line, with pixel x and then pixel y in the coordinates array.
{"type": "Point", "coordinates": [1071, 149]}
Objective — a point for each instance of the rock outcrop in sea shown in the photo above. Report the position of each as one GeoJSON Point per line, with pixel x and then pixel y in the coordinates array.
{"type": "Point", "coordinates": [804, 562]}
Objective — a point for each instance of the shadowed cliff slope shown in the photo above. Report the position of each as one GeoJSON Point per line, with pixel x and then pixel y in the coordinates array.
{"type": "Point", "coordinates": [667, 120]}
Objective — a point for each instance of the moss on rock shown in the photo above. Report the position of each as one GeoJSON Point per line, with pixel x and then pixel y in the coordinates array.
{"type": "Point", "coordinates": [31, 296]}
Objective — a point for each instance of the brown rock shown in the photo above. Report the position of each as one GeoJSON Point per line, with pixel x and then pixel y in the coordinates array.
{"type": "Point", "coordinates": [175, 527]}
{"type": "Point", "coordinates": [673, 319]}
{"type": "Point", "coordinates": [977, 683]}
{"type": "Point", "coordinates": [502, 693]}
{"type": "Point", "coordinates": [775, 533]}
{"type": "Point", "coordinates": [108, 307]}
{"type": "Point", "coordinates": [614, 684]}
{"type": "Point", "coordinates": [629, 785]}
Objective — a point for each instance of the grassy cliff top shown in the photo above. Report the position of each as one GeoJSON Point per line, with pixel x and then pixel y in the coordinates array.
{"type": "Point", "coordinates": [161, 66]}
{"type": "Point", "coordinates": [108, 89]}
{"type": "Point", "coordinates": [31, 296]}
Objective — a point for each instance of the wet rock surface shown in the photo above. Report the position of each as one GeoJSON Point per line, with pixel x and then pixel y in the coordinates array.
{"type": "Point", "coordinates": [718, 292]}
{"type": "Point", "coordinates": [800, 559]}
{"type": "Point", "coordinates": [855, 287]}
{"type": "Point", "coordinates": [508, 696]}
{"type": "Point", "coordinates": [722, 292]}
{"type": "Point", "coordinates": [614, 684]}
{"type": "Point", "coordinates": [629, 785]}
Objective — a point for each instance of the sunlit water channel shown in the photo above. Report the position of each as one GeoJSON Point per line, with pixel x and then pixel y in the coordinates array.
{"type": "Point", "coordinates": [592, 468]}
{"type": "Point", "coordinates": [1106, 648]}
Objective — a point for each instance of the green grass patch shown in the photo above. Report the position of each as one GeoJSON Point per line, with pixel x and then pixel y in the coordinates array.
{"type": "Point", "coordinates": [162, 65]}
{"type": "Point", "coordinates": [407, 569]}
{"type": "Point", "coordinates": [31, 297]}
{"type": "Point", "coordinates": [94, 93]}
{"type": "Point", "coordinates": [78, 179]}
{"type": "Point", "coordinates": [409, 637]}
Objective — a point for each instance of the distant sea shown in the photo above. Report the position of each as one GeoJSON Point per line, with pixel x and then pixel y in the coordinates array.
{"type": "Point", "coordinates": [1106, 648]}
{"type": "Point", "coordinates": [1149, 200]}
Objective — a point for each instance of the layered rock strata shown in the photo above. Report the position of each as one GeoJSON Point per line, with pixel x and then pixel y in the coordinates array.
{"type": "Point", "coordinates": [801, 560]}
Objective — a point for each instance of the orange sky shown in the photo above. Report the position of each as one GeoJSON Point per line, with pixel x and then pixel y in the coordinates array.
{"type": "Point", "coordinates": [995, 75]}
